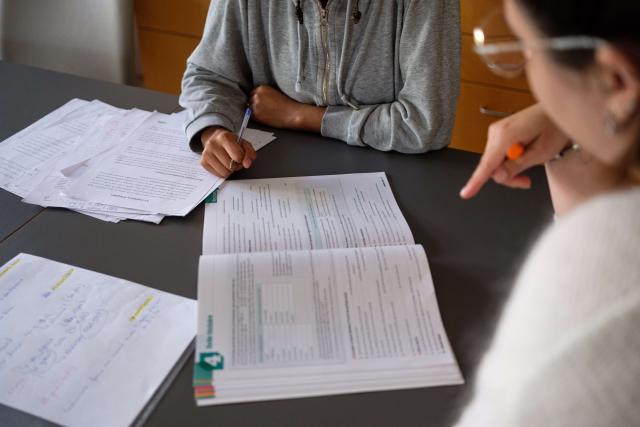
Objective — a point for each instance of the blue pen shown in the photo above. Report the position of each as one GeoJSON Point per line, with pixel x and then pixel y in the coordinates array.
{"type": "Point", "coordinates": [243, 127]}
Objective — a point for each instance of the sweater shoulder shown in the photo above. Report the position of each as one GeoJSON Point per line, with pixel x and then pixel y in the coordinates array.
{"type": "Point", "coordinates": [565, 350]}
{"type": "Point", "coordinates": [606, 228]}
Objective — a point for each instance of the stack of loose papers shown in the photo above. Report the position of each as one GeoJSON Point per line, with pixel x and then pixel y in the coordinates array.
{"type": "Point", "coordinates": [109, 163]}
{"type": "Point", "coordinates": [314, 286]}
{"type": "Point", "coordinates": [84, 349]}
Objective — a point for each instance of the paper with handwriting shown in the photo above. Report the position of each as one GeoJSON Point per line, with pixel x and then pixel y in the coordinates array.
{"type": "Point", "coordinates": [81, 348]}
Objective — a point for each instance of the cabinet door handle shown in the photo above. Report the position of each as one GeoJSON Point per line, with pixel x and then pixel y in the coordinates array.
{"type": "Point", "coordinates": [493, 113]}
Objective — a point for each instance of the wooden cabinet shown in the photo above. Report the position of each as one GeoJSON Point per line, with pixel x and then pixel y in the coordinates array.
{"type": "Point", "coordinates": [169, 30]}
{"type": "Point", "coordinates": [484, 96]}
{"type": "Point", "coordinates": [478, 107]}
{"type": "Point", "coordinates": [473, 11]}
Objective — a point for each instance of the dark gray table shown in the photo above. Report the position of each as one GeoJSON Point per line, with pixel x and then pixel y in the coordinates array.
{"type": "Point", "coordinates": [28, 94]}
{"type": "Point", "coordinates": [474, 248]}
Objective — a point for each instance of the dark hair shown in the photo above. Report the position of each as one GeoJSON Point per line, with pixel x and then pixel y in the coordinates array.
{"type": "Point", "coordinates": [616, 21]}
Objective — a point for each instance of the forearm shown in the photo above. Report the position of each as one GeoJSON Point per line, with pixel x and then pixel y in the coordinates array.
{"type": "Point", "coordinates": [308, 118]}
{"type": "Point", "coordinates": [273, 108]}
{"type": "Point", "coordinates": [403, 126]}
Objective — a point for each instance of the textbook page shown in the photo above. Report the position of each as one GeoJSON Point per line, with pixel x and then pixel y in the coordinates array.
{"type": "Point", "coordinates": [80, 348]}
{"type": "Point", "coordinates": [315, 212]}
{"type": "Point", "coordinates": [291, 324]}
{"type": "Point", "coordinates": [153, 170]}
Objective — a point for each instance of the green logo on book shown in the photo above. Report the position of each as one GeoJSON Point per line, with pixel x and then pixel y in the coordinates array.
{"type": "Point", "coordinates": [212, 198]}
{"type": "Point", "coordinates": [211, 361]}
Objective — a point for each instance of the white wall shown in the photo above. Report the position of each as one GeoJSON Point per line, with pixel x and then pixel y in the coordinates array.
{"type": "Point", "coordinates": [92, 38]}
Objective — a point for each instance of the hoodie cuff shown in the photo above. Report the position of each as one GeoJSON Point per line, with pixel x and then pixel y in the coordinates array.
{"type": "Point", "coordinates": [195, 128]}
{"type": "Point", "coordinates": [336, 124]}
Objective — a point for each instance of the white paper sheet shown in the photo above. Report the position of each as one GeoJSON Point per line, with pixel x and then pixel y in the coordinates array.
{"type": "Point", "coordinates": [153, 170]}
{"type": "Point", "coordinates": [49, 119]}
{"type": "Point", "coordinates": [319, 212]}
{"type": "Point", "coordinates": [103, 136]}
{"type": "Point", "coordinates": [107, 133]}
{"type": "Point", "coordinates": [109, 163]}
{"type": "Point", "coordinates": [55, 181]}
{"type": "Point", "coordinates": [258, 138]}
{"type": "Point", "coordinates": [81, 348]}
{"type": "Point", "coordinates": [21, 158]}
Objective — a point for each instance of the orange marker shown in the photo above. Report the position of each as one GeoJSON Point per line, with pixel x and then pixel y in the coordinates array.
{"type": "Point", "coordinates": [515, 151]}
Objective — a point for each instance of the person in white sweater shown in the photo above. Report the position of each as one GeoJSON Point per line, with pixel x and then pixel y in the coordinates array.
{"type": "Point", "coordinates": [566, 351]}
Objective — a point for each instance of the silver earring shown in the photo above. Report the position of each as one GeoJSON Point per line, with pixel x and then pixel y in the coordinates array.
{"type": "Point", "coordinates": [571, 146]}
{"type": "Point", "coordinates": [610, 123]}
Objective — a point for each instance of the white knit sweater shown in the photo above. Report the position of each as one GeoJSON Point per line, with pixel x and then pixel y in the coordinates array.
{"type": "Point", "coordinates": [567, 349]}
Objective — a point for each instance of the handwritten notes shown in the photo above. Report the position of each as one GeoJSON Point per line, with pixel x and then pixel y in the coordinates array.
{"type": "Point", "coordinates": [82, 348]}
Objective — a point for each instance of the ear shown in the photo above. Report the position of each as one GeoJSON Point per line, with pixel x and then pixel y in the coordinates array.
{"type": "Point", "coordinates": [620, 79]}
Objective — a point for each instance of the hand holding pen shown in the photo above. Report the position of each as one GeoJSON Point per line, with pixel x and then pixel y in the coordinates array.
{"type": "Point", "coordinates": [224, 152]}
{"type": "Point", "coordinates": [515, 144]}
{"type": "Point", "coordinates": [243, 127]}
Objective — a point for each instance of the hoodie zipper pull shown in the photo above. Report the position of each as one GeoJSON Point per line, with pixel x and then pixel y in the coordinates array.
{"type": "Point", "coordinates": [324, 23]}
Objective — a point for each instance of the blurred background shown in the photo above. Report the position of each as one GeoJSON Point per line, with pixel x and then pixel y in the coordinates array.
{"type": "Point", "coordinates": [136, 42]}
{"type": "Point", "coordinates": [147, 42]}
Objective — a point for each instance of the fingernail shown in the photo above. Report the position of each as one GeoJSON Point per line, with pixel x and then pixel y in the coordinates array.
{"type": "Point", "coordinates": [463, 192]}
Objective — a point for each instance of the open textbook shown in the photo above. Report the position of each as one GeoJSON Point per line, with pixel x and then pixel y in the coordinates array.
{"type": "Point", "coordinates": [312, 286]}
{"type": "Point", "coordinates": [81, 348]}
{"type": "Point", "coordinates": [110, 163]}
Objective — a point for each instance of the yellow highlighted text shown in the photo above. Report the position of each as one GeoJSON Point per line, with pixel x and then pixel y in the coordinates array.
{"type": "Point", "coordinates": [9, 267]}
{"type": "Point", "coordinates": [63, 279]}
{"type": "Point", "coordinates": [139, 310]}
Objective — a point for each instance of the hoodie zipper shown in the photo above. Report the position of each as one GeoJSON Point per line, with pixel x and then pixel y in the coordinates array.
{"type": "Point", "coordinates": [324, 24]}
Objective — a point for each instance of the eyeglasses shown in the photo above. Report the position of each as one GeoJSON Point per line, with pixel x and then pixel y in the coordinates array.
{"type": "Point", "coordinates": [507, 56]}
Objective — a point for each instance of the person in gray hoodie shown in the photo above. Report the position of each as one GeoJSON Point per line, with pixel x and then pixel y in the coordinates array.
{"type": "Point", "coordinates": [383, 74]}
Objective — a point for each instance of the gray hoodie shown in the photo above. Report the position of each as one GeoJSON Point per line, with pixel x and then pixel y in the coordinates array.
{"type": "Point", "coordinates": [390, 79]}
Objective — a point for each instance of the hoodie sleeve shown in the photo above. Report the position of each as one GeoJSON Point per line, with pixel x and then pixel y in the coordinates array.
{"type": "Point", "coordinates": [218, 77]}
{"type": "Point", "coordinates": [422, 116]}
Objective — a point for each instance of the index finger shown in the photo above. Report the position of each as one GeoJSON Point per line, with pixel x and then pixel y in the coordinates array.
{"type": "Point", "coordinates": [492, 158]}
{"type": "Point", "coordinates": [516, 129]}
{"type": "Point", "coordinates": [235, 150]}
{"type": "Point", "coordinates": [249, 154]}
